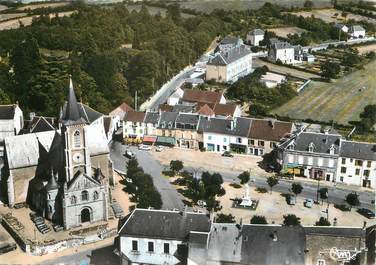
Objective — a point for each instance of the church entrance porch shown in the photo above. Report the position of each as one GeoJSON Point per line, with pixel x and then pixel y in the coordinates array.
{"type": "Point", "coordinates": [85, 215]}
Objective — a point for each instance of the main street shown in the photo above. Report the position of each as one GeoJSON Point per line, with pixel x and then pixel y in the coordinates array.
{"type": "Point", "coordinates": [172, 199]}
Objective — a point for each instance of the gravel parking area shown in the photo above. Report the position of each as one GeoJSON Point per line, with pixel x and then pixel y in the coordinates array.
{"type": "Point", "coordinates": [274, 206]}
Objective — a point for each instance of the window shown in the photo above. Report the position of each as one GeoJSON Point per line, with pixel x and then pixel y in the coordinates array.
{"type": "Point", "coordinates": [343, 169]}
{"type": "Point", "coordinates": [349, 176]}
{"type": "Point", "coordinates": [341, 179]}
{"type": "Point", "coordinates": [366, 173]}
{"type": "Point", "coordinates": [351, 160]}
{"type": "Point", "coordinates": [261, 143]}
{"type": "Point", "coordinates": [310, 147]}
{"type": "Point", "coordinates": [320, 262]}
{"type": "Point", "coordinates": [252, 142]}
{"type": "Point", "coordinates": [261, 151]}
{"type": "Point", "coordinates": [134, 245]}
{"type": "Point", "coordinates": [225, 140]}
{"type": "Point", "coordinates": [224, 147]}
{"type": "Point", "coordinates": [358, 163]}
{"type": "Point", "coordinates": [357, 171]}
{"type": "Point", "coordinates": [151, 246]}
{"type": "Point", "coordinates": [209, 137]}
{"type": "Point", "coordinates": [73, 200]}
{"type": "Point", "coordinates": [343, 160]}
{"type": "Point", "coordinates": [369, 163]}
{"type": "Point", "coordinates": [332, 149]}
{"type": "Point", "coordinates": [273, 144]}
{"type": "Point", "coordinates": [166, 248]}
{"type": "Point", "coordinates": [77, 139]}
{"type": "Point", "coordinates": [85, 195]}
{"type": "Point", "coordinates": [239, 140]}
{"type": "Point", "coordinates": [251, 151]}
{"type": "Point", "coordinates": [95, 195]}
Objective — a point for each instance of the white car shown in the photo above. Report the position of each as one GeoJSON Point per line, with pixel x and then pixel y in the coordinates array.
{"type": "Point", "coordinates": [159, 148]}
{"type": "Point", "coordinates": [201, 203]}
{"type": "Point", "coordinates": [144, 147]}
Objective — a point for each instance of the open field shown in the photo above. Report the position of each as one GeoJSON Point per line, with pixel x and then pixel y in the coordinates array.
{"type": "Point", "coordinates": [367, 48]}
{"type": "Point", "coordinates": [210, 5]}
{"type": "Point", "coordinates": [11, 15]}
{"type": "Point", "coordinates": [283, 32]}
{"type": "Point", "coordinates": [328, 15]}
{"type": "Point", "coordinates": [153, 10]}
{"type": "Point", "coordinates": [44, 5]}
{"type": "Point", "coordinates": [26, 21]}
{"type": "Point", "coordinates": [273, 207]}
{"type": "Point", "coordinates": [341, 101]}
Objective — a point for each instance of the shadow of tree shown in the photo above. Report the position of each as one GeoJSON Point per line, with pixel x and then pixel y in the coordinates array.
{"type": "Point", "coordinates": [103, 256]}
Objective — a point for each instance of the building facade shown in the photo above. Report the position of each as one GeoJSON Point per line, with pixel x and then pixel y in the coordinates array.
{"type": "Point", "coordinates": [255, 36]}
{"type": "Point", "coordinates": [11, 123]}
{"type": "Point", "coordinates": [283, 52]}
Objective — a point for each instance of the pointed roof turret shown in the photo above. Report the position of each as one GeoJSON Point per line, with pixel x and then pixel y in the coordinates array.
{"type": "Point", "coordinates": [52, 184]}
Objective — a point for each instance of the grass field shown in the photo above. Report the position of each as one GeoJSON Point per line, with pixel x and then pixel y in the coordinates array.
{"type": "Point", "coordinates": [283, 32]}
{"type": "Point", "coordinates": [342, 100]}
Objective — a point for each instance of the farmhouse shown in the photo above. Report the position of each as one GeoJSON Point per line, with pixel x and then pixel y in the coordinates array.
{"type": "Point", "coordinates": [282, 51]}
{"type": "Point", "coordinates": [230, 65]}
{"type": "Point", "coordinates": [357, 32]}
{"type": "Point", "coordinates": [255, 36]}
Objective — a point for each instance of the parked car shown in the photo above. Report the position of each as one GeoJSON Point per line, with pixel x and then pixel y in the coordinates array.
{"type": "Point", "coordinates": [366, 212]}
{"type": "Point", "coordinates": [144, 147]}
{"type": "Point", "coordinates": [159, 148]}
{"type": "Point", "coordinates": [291, 200]}
{"type": "Point", "coordinates": [227, 154]}
{"type": "Point", "coordinates": [58, 228]}
{"type": "Point", "coordinates": [201, 203]}
{"type": "Point", "coordinates": [308, 203]}
{"type": "Point", "coordinates": [129, 154]}
{"type": "Point", "coordinates": [270, 168]}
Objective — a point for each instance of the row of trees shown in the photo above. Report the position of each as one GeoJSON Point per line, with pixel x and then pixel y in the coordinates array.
{"type": "Point", "coordinates": [141, 186]}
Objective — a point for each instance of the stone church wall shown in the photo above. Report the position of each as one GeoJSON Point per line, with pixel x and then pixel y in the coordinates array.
{"type": "Point", "coordinates": [21, 178]}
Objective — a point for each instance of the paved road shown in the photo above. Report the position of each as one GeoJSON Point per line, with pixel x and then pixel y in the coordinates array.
{"type": "Point", "coordinates": [336, 194]}
{"type": "Point", "coordinates": [101, 256]}
{"type": "Point", "coordinates": [170, 197]}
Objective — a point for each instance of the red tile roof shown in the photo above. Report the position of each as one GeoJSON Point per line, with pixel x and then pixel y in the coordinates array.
{"type": "Point", "coordinates": [269, 130]}
{"type": "Point", "coordinates": [210, 97]}
{"type": "Point", "coordinates": [135, 116]}
{"type": "Point", "coordinates": [206, 110]}
{"type": "Point", "coordinates": [224, 109]}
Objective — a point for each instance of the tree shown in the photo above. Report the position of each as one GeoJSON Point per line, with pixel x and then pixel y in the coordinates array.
{"type": "Point", "coordinates": [330, 69]}
{"type": "Point", "coordinates": [176, 166]}
{"type": "Point", "coordinates": [225, 218]}
{"type": "Point", "coordinates": [323, 194]}
{"type": "Point", "coordinates": [174, 13]}
{"type": "Point", "coordinates": [244, 177]}
{"type": "Point", "coordinates": [367, 118]}
{"type": "Point", "coordinates": [323, 222]}
{"type": "Point", "coordinates": [308, 5]}
{"type": "Point", "coordinates": [352, 199]}
{"type": "Point", "coordinates": [259, 219]}
{"type": "Point", "coordinates": [296, 188]}
{"type": "Point", "coordinates": [272, 181]}
{"type": "Point", "coordinates": [291, 220]}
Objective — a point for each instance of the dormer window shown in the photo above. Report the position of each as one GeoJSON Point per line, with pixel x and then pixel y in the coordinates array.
{"type": "Point", "coordinates": [332, 149]}
{"type": "Point", "coordinates": [77, 139]}
{"type": "Point", "coordinates": [291, 147]}
{"type": "Point", "coordinates": [310, 147]}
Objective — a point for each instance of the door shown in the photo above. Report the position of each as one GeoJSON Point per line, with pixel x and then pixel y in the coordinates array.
{"type": "Point", "coordinates": [85, 215]}
{"type": "Point", "coordinates": [256, 152]}
{"type": "Point", "coordinates": [327, 177]}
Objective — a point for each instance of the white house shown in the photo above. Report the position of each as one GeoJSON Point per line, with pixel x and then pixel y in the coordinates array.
{"type": "Point", "coordinates": [341, 27]}
{"type": "Point", "coordinates": [272, 79]}
{"type": "Point", "coordinates": [133, 125]}
{"type": "Point", "coordinates": [230, 65]}
{"type": "Point", "coordinates": [255, 36]}
{"type": "Point", "coordinates": [282, 51]}
{"type": "Point", "coordinates": [357, 164]}
{"type": "Point", "coordinates": [357, 31]}
{"type": "Point", "coordinates": [228, 43]}
{"type": "Point", "coordinates": [119, 113]}
{"type": "Point", "coordinates": [175, 97]}
{"type": "Point", "coordinates": [158, 237]}
{"type": "Point", "coordinates": [11, 122]}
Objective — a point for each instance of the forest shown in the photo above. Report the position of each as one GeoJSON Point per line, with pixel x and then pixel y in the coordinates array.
{"type": "Point", "coordinates": [93, 45]}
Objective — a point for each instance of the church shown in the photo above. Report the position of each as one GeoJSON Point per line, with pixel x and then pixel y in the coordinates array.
{"type": "Point", "coordinates": [65, 183]}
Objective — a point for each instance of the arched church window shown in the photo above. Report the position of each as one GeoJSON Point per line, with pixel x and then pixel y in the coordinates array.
{"type": "Point", "coordinates": [85, 195]}
{"type": "Point", "coordinates": [50, 208]}
{"type": "Point", "coordinates": [73, 200]}
{"type": "Point", "coordinates": [96, 195]}
{"type": "Point", "coordinates": [76, 139]}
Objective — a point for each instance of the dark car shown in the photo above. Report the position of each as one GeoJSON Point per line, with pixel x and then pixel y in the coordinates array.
{"type": "Point", "coordinates": [129, 154]}
{"type": "Point", "coordinates": [227, 154]}
{"type": "Point", "coordinates": [367, 213]}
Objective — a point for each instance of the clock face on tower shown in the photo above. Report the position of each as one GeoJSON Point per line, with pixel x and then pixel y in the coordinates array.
{"type": "Point", "coordinates": [78, 158]}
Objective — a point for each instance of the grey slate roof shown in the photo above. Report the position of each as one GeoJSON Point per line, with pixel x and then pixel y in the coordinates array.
{"type": "Point", "coordinates": [232, 55]}
{"type": "Point", "coordinates": [356, 28]}
{"type": "Point", "coordinates": [41, 125]}
{"type": "Point", "coordinates": [357, 150]}
{"type": "Point", "coordinates": [167, 117]}
{"type": "Point", "coordinates": [86, 113]}
{"type": "Point", "coordinates": [145, 223]}
{"type": "Point", "coordinates": [186, 118]}
{"type": "Point", "coordinates": [256, 32]}
{"type": "Point", "coordinates": [52, 184]}
{"type": "Point", "coordinates": [258, 246]}
{"type": "Point", "coordinates": [241, 126]}
{"type": "Point", "coordinates": [338, 231]}
{"type": "Point", "coordinates": [7, 112]}
{"type": "Point", "coordinates": [282, 45]}
{"type": "Point", "coordinates": [229, 40]}
{"type": "Point", "coordinates": [183, 108]}
{"type": "Point", "coordinates": [321, 141]}
{"type": "Point", "coordinates": [72, 113]}
{"type": "Point", "coordinates": [151, 117]}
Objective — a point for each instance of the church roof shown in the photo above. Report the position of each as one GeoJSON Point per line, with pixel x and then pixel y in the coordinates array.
{"type": "Point", "coordinates": [52, 184]}
{"type": "Point", "coordinates": [41, 124]}
{"type": "Point", "coordinates": [72, 112]}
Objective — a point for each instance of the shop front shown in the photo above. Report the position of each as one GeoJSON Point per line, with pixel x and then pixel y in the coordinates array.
{"type": "Point", "coordinates": [149, 140]}
{"type": "Point", "coordinates": [165, 141]}
{"type": "Point", "coordinates": [238, 148]}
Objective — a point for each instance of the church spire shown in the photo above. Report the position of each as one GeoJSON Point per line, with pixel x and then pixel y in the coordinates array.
{"type": "Point", "coordinates": [52, 184]}
{"type": "Point", "coordinates": [72, 111]}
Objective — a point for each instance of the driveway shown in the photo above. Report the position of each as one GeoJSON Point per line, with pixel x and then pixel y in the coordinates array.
{"type": "Point", "coordinates": [170, 197]}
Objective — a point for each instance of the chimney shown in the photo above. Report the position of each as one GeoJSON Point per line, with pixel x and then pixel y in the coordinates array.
{"type": "Point", "coordinates": [272, 123]}
{"type": "Point", "coordinates": [364, 225]}
{"type": "Point", "coordinates": [32, 115]}
{"type": "Point", "coordinates": [185, 211]}
{"type": "Point", "coordinates": [275, 236]}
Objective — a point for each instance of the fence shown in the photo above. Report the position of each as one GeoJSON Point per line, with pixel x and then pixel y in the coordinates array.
{"type": "Point", "coordinates": [301, 88]}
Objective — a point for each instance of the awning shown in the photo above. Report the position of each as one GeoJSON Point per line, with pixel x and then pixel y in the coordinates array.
{"type": "Point", "coordinates": [149, 139]}
{"type": "Point", "coordinates": [164, 140]}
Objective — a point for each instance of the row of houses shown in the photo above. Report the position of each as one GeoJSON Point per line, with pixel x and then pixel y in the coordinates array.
{"type": "Point", "coordinates": [149, 236]}
{"type": "Point", "coordinates": [327, 156]}
{"type": "Point", "coordinates": [284, 52]}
